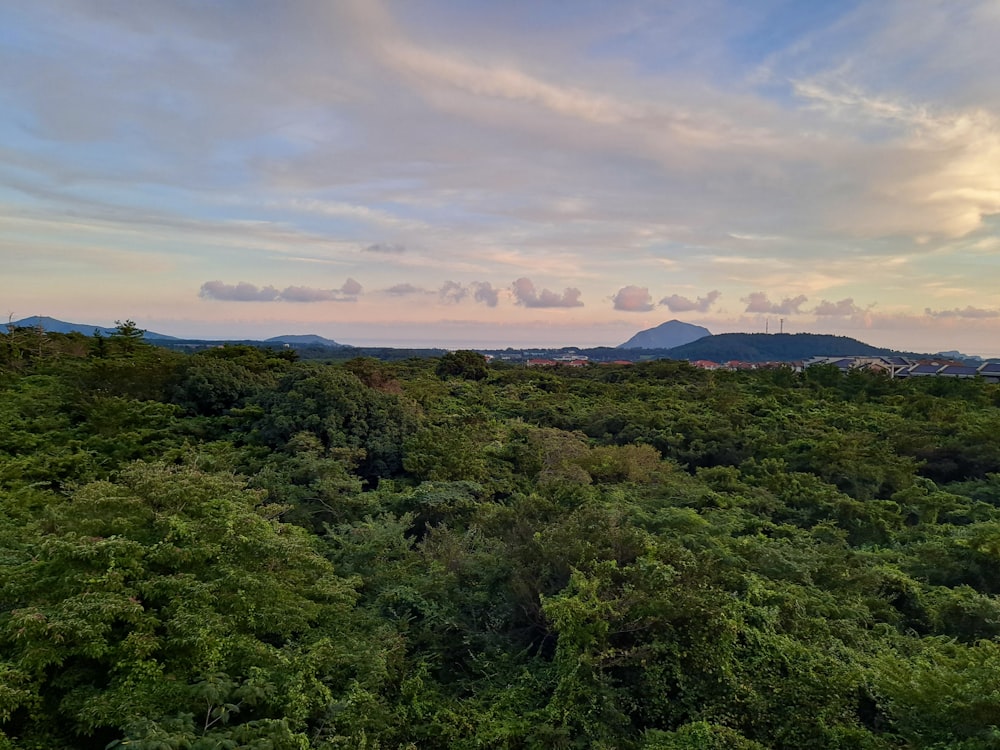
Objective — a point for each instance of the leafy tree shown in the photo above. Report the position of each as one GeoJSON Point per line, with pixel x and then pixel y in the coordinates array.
{"type": "Point", "coordinates": [942, 695]}
{"type": "Point", "coordinates": [173, 607]}
{"type": "Point", "coordinates": [339, 410]}
{"type": "Point", "coordinates": [463, 364]}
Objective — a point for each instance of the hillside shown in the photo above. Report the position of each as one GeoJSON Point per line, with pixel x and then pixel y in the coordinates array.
{"type": "Point", "coordinates": [666, 336]}
{"type": "Point", "coordinates": [304, 339]}
{"type": "Point", "coordinates": [773, 347]}
{"type": "Point", "coordinates": [61, 326]}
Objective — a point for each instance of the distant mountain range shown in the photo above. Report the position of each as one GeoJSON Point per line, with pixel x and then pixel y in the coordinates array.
{"type": "Point", "coordinates": [60, 326]}
{"type": "Point", "coordinates": [671, 340]}
{"type": "Point", "coordinates": [667, 335]}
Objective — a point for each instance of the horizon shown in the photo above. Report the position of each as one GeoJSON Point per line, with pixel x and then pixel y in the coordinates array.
{"type": "Point", "coordinates": [463, 175]}
{"type": "Point", "coordinates": [449, 344]}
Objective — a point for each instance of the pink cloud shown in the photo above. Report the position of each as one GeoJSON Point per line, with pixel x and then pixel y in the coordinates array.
{"type": "Point", "coordinates": [677, 303]}
{"type": "Point", "coordinates": [633, 299]}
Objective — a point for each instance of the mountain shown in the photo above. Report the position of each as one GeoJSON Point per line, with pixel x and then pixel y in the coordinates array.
{"type": "Point", "coordinates": [60, 326]}
{"type": "Point", "coordinates": [305, 339]}
{"type": "Point", "coordinates": [666, 336]}
{"type": "Point", "coordinates": [773, 347]}
{"type": "Point", "coordinates": [955, 354]}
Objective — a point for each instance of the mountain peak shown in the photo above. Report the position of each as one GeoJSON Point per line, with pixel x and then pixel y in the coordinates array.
{"type": "Point", "coordinates": [666, 336]}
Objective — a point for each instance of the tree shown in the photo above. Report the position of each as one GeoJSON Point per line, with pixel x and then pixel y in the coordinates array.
{"type": "Point", "coordinates": [463, 364]}
{"type": "Point", "coordinates": [127, 336]}
{"type": "Point", "coordinates": [337, 408]}
{"type": "Point", "coordinates": [173, 605]}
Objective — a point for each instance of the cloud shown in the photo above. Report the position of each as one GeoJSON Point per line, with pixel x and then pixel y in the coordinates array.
{"type": "Point", "coordinates": [452, 292]}
{"type": "Point", "coordinates": [937, 175]}
{"type": "Point", "coordinates": [484, 292]}
{"type": "Point", "coordinates": [967, 312]}
{"type": "Point", "coordinates": [519, 154]}
{"type": "Point", "coordinates": [400, 290]}
{"type": "Point", "coordinates": [351, 288]}
{"type": "Point", "coordinates": [757, 302]}
{"type": "Point", "coordinates": [677, 303]}
{"type": "Point", "coordinates": [242, 292]}
{"type": "Point", "coordinates": [633, 299]}
{"type": "Point", "coordinates": [308, 294]}
{"type": "Point", "coordinates": [842, 309]}
{"type": "Point", "coordinates": [430, 68]}
{"type": "Point", "coordinates": [245, 292]}
{"type": "Point", "coordinates": [526, 295]}
{"type": "Point", "coordinates": [389, 248]}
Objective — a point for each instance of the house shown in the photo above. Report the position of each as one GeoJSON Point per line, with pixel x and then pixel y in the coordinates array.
{"type": "Point", "coordinates": [892, 366]}
{"type": "Point", "coordinates": [922, 370]}
{"type": "Point", "coordinates": [705, 364]}
{"type": "Point", "coordinates": [958, 371]}
{"type": "Point", "coordinates": [990, 371]}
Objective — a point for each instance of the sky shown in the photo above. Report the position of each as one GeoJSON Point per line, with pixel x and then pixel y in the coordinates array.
{"type": "Point", "coordinates": [528, 173]}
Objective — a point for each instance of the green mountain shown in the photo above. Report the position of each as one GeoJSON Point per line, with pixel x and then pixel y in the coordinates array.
{"type": "Point", "coordinates": [773, 347]}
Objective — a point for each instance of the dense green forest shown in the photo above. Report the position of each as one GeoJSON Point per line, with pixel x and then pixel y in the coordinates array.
{"type": "Point", "coordinates": [774, 347]}
{"type": "Point", "coordinates": [236, 549]}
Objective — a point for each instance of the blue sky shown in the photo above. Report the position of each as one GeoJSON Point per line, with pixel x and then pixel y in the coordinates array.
{"type": "Point", "coordinates": [486, 174]}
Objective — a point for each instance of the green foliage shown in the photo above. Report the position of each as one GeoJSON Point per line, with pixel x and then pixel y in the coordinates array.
{"type": "Point", "coordinates": [943, 695]}
{"type": "Point", "coordinates": [339, 410]}
{"type": "Point", "coordinates": [138, 605]}
{"type": "Point", "coordinates": [699, 736]}
{"type": "Point", "coordinates": [212, 385]}
{"type": "Point", "coordinates": [235, 549]}
{"type": "Point", "coordinates": [463, 364]}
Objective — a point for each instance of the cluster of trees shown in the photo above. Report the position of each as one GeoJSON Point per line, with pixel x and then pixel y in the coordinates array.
{"type": "Point", "coordinates": [237, 549]}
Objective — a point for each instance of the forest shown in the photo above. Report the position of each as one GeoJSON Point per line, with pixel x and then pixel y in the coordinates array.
{"type": "Point", "coordinates": [236, 549]}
